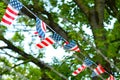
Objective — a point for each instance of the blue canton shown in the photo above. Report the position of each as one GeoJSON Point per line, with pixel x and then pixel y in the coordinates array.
{"type": "Point", "coordinates": [70, 45]}
{"type": "Point", "coordinates": [56, 37]}
{"type": "Point", "coordinates": [88, 62]}
{"type": "Point", "coordinates": [16, 4]}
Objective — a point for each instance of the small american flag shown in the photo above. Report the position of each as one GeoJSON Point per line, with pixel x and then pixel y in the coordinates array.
{"type": "Point", "coordinates": [80, 69]}
{"type": "Point", "coordinates": [72, 46]}
{"type": "Point", "coordinates": [111, 78]}
{"type": "Point", "coordinates": [98, 70]}
{"type": "Point", "coordinates": [40, 27]}
{"type": "Point", "coordinates": [49, 40]}
{"type": "Point", "coordinates": [87, 63]}
{"type": "Point", "coordinates": [11, 12]}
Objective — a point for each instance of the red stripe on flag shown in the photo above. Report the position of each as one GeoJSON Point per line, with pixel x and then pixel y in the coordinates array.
{"type": "Point", "coordinates": [43, 42]}
{"type": "Point", "coordinates": [97, 70]}
{"type": "Point", "coordinates": [46, 42]}
{"type": "Point", "coordinates": [5, 21]}
{"type": "Point", "coordinates": [76, 49]}
{"type": "Point", "coordinates": [80, 69]}
{"type": "Point", "coordinates": [7, 15]}
{"type": "Point", "coordinates": [102, 69]}
{"type": "Point", "coordinates": [35, 32]}
{"type": "Point", "coordinates": [48, 39]}
{"type": "Point", "coordinates": [44, 26]}
{"type": "Point", "coordinates": [75, 72]}
{"type": "Point", "coordinates": [38, 45]}
{"type": "Point", "coordinates": [11, 11]}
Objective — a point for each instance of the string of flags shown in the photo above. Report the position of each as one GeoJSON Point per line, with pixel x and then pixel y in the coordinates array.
{"type": "Point", "coordinates": [12, 12]}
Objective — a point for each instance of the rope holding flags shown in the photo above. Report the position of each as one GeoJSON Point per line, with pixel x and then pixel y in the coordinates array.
{"type": "Point", "coordinates": [11, 12]}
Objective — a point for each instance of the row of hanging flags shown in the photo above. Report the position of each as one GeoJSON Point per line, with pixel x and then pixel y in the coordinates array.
{"type": "Point", "coordinates": [11, 13]}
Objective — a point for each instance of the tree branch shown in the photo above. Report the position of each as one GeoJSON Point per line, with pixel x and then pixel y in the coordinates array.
{"type": "Point", "coordinates": [3, 47]}
{"type": "Point", "coordinates": [112, 9]}
{"type": "Point", "coordinates": [99, 8]}
{"type": "Point", "coordinates": [13, 67]}
{"type": "Point", "coordinates": [82, 6]}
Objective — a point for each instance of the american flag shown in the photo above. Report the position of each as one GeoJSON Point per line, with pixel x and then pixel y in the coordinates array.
{"type": "Point", "coordinates": [111, 78]}
{"type": "Point", "coordinates": [80, 69]}
{"type": "Point", "coordinates": [98, 70]}
{"type": "Point", "coordinates": [49, 40]}
{"type": "Point", "coordinates": [87, 63]}
{"type": "Point", "coordinates": [72, 46]}
{"type": "Point", "coordinates": [11, 12]}
{"type": "Point", "coordinates": [40, 27]}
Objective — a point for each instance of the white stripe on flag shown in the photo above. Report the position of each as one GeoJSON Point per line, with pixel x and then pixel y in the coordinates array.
{"type": "Point", "coordinates": [7, 19]}
{"type": "Point", "coordinates": [96, 71]}
{"type": "Point", "coordinates": [3, 23]}
{"type": "Point", "coordinates": [51, 39]}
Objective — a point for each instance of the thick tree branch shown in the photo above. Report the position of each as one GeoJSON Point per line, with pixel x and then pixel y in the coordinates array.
{"type": "Point", "coordinates": [3, 47]}
{"type": "Point", "coordinates": [81, 5]}
{"type": "Point", "coordinates": [99, 8]}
